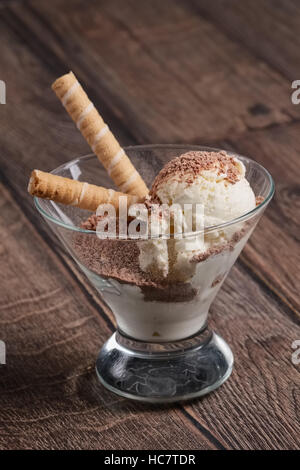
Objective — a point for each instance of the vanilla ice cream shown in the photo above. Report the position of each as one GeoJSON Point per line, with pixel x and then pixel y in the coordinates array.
{"type": "Point", "coordinates": [215, 181]}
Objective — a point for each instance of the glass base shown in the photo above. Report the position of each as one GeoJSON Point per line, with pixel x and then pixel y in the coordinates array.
{"type": "Point", "coordinates": [164, 372]}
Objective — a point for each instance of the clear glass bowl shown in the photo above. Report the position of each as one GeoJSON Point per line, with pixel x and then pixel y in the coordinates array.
{"type": "Point", "coordinates": [162, 350]}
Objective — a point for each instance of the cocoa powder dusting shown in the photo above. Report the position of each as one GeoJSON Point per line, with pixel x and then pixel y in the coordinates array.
{"type": "Point", "coordinates": [193, 163]}
{"type": "Point", "coordinates": [119, 259]}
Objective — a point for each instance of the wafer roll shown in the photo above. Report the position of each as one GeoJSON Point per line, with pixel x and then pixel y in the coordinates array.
{"type": "Point", "coordinates": [74, 193]}
{"type": "Point", "coordinates": [98, 135]}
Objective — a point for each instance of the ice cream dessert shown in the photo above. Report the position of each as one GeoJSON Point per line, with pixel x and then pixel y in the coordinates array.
{"type": "Point", "coordinates": [159, 289]}
{"type": "Point", "coordinates": [157, 246]}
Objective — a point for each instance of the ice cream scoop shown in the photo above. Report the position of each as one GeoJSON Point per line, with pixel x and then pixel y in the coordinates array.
{"type": "Point", "coordinates": [214, 180]}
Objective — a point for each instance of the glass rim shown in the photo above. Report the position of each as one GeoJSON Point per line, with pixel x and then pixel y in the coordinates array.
{"type": "Point", "coordinates": [211, 228]}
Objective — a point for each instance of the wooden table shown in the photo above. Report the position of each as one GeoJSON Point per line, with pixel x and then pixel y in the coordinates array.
{"type": "Point", "coordinates": [217, 73]}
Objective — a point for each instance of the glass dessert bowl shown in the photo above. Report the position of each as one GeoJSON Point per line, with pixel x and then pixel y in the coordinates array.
{"type": "Point", "coordinates": [162, 350]}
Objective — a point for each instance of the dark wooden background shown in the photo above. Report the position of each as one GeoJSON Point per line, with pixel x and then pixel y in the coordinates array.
{"type": "Point", "coordinates": [209, 72]}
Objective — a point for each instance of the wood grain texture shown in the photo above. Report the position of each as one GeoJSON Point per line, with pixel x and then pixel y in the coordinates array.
{"type": "Point", "coordinates": [259, 407]}
{"type": "Point", "coordinates": [160, 61]}
{"type": "Point", "coordinates": [158, 72]}
{"type": "Point", "coordinates": [267, 28]}
{"type": "Point", "coordinates": [273, 252]}
{"type": "Point", "coordinates": [50, 397]}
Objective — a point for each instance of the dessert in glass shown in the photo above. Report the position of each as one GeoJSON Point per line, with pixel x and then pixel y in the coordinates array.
{"type": "Point", "coordinates": [159, 288]}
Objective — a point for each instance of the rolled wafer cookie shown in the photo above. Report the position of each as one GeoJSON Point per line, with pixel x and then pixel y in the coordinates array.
{"type": "Point", "coordinates": [73, 192]}
{"type": "Point", "coordinates": [98, 135]}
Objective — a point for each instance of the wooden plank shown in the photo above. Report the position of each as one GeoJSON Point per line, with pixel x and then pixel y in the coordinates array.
{"type": "Point", "coordinates": [273, 250]}
{"type": "Point", "coordinates": [170, 74]}
{"type": "Point", "coordinates": [50, 396]}
{"type": "Point", "coordinates": [268, 28]}
{"type": "Point", "coordinates": [263, 390]}
{"type": "Point", "coordinates": [258, 408]}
